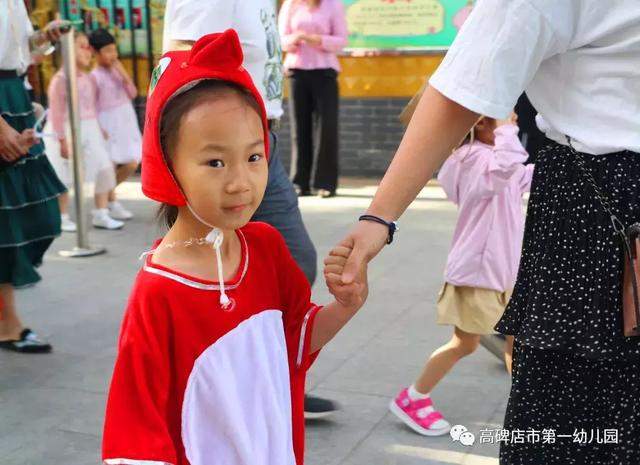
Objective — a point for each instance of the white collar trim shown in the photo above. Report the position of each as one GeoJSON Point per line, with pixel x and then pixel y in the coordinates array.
{"type": "Point", "coordinates": [149, 268]}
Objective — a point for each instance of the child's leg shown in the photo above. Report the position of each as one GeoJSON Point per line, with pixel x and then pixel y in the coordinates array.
{"type": "Point", "coordinates": [123, 172]}
{"type": "Point", "coordinates": [105, 182]}
{"type": "Point", "coordinates": [444, 358]}
{"type": "Point", "coordinates": [414, 405]}
{"type": "Point", "coordinates": [101, 216]}
{"type": "Point", "coordinates": [508, 353]}
{"type": "Point", "coordinates": [101, 200]}
{"type": "Point", "coordinates": [63, 202]}
{"type": "Point", "coordinates": [66, 224]}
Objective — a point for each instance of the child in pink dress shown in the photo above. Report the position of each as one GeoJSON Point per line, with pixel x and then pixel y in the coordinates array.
{"type": "Point", "coordinates": [98, 169]}
{"type": "Point", "coordinates": [116, 114]}
{"type": "Point", "coordinates": [486, 177]}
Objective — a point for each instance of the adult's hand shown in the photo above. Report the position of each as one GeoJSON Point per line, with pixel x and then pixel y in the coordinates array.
{"type": "Point", "coordinates": [313, 39]}
{"type": "Point", "coordinates": [299, 38]}
{"type": "Point", "coordinates": [365, 240]}
{"type": "Point", "coordinates": [14, 145]}
{"type": "Point", "coordinates": [437, 127]}
{"type": "Point", "coordinates": [28, 138]}
{"type": "Point", "coordinates": [55, 29]}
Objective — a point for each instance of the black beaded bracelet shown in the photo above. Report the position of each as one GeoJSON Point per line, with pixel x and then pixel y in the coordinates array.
{"type": "Point", "coordinates": [392, 225]}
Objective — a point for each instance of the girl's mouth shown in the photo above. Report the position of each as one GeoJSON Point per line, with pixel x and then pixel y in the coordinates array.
{"type": "Point", "coordinates": [235, 208]}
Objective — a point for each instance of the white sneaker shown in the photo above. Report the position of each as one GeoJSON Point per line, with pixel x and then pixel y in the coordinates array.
{"type": "Point", "coordinates": [66, 224]}
{"type": "Point", "coordinates": [102, 220]}
{"type": "Point", "coordinates": [118, 212]}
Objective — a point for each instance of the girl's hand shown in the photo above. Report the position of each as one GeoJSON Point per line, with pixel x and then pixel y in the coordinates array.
{"type": "Point", "coordinates": [120, 68]}
{"type": "Point", "coordinates": [105, 134]}
{"type": "Point", "coordinates": [351, 296]}
{"type": "Point", "coordinates": [512, 119]}
{"type": "Point", "coordinates": [64, 149]}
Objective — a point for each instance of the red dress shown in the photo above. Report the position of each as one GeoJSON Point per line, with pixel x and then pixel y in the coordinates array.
{"type": "Point", "coordinates": [195, 384]}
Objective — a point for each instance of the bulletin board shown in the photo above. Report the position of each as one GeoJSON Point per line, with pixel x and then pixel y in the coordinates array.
{"type": "Point", "coordinates": [404, 25]}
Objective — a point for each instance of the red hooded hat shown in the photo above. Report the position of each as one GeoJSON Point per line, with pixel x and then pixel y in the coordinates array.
{"type": "Point", "coordinates": [215, 56]}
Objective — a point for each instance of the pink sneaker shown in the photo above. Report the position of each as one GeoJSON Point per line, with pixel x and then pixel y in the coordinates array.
{"type": "Point", "coordinates": [419, 415]}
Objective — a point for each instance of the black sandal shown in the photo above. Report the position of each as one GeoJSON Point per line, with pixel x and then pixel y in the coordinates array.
{"type": "Point", "coordinates": [29, 343]}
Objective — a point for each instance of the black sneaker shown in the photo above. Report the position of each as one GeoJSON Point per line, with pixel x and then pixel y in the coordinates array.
{"type": "Point", "coordinates": [316, 408]}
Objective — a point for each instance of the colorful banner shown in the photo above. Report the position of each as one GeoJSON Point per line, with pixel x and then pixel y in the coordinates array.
{"type": "Point", "coordinates": [156, 9]}
{"type": "Point", "coordinates": [127, 18]}
{"type": "Point", "coordinates": [404, 24]}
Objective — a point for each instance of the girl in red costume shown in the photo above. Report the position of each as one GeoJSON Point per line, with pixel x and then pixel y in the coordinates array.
{"type": "Point", "coordinates": [220, 329]}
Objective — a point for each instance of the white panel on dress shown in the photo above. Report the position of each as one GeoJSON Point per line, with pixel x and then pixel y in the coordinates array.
{"type": "Point", "coordinates": [237, 404]}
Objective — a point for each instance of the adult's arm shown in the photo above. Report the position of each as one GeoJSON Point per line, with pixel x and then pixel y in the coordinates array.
{"type": "Point", "coordinates": [491, 62]}
{"type": "Point", "coordinates": [289, 38]}
{"type": "Point", "coordinates": [437, 127]}
{"type": "Point", "coordinates": [51, 33]}
{"type": "Point", "coordinates": [337, 39]}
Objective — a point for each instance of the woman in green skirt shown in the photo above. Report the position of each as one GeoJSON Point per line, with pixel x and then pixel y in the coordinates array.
{"type": "Point", "coordinates": [29, 214]}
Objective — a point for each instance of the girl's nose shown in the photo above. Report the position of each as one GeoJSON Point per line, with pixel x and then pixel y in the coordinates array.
{"type": "Point", "coordinates": [238, 181]}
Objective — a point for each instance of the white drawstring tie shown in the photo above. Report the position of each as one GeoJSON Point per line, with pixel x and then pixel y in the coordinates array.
{"type": "Point", "coordinates": [216, 237]}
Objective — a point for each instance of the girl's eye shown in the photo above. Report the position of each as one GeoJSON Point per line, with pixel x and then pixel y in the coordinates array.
{"type": "Point", "coordinates": [216, 163]}
{"type": "Point", "coordinates": [255, 157]}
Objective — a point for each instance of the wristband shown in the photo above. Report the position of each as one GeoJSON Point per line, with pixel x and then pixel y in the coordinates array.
{"type": "Point", "coordinates": [391, 225]}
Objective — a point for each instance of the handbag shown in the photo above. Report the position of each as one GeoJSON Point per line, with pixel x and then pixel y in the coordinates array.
{"type": "Point", "coordinates": [630, 238]}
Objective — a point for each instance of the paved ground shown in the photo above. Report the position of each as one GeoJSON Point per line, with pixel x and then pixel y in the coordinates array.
{"type": "Point", "coordinates": [51, 406]}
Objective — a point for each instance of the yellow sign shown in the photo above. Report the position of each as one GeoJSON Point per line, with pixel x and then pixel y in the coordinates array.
{"type": "Point", "coordinates": [396, 17]}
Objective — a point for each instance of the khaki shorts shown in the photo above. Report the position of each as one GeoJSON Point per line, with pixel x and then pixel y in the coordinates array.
{"type": "Point", "coordinates": [473, 310]}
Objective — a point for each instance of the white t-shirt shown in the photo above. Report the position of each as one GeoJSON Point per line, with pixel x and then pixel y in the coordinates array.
{"type": "Point", "coordinates": [256, 24]}
{"type": "Point", "coordinates": [578, 60]}
{"type": "Point", "coordinates": [15, 30]}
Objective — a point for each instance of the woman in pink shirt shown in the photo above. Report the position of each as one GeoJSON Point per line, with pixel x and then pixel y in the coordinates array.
{"type": "Point", "coordinates": [485, 178]}
{"type": "Point", "coordinates": [313, 32]}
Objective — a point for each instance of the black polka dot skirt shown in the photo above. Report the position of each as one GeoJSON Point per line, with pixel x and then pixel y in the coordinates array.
{"type": "Point", "coordinates": [567, 409]}
{"type": "Point", "coordinates": [568, 292]}
{"type": "Point", "coordinates": [575, 395]}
